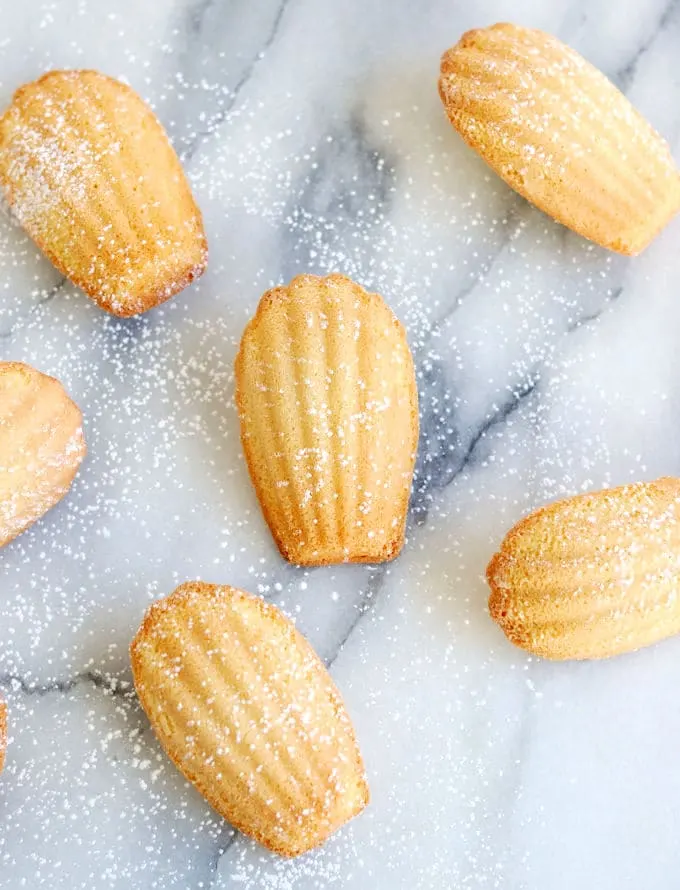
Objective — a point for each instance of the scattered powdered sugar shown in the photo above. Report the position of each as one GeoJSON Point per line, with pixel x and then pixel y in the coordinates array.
{"type": "Point", "coordinates": [528, 344]}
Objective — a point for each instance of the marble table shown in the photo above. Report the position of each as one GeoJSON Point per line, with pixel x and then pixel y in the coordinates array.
{"type": "Point", "coordinates": [314, 139]}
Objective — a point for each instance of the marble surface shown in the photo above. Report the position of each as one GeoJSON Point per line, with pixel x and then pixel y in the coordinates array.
{"type": "Point", "coordinates": [314, 139]}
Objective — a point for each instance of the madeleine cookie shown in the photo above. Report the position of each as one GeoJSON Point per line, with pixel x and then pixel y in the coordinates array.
{"type": "Point", "coordinates": [247, 711]}
{"type": "Point", "coordinates": [41, 446]}
{"type": "Point", "coordinates": [92, 177]}
{"type": "Point", "coordinates": [593, 575]}
{"type": "Point", "coordinates": [561, 135]}
{"type": "Point", "coordinates": [327, 397]}
{"type": "Point", "coordinates": [3, 733]}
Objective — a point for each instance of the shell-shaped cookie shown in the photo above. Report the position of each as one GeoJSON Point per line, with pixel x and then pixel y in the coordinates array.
{"type": "Point", "coordinates": [247, 711]}
{"type": "Point", "coordinates": [561, 134]}
{"type": "Point", "coordinates": [593, 575]}
{"type": "Point", "coordinates": [328, 404]}
{"type": "Point", "coordinates": [3, 733]}
{"type": "Point", "coordinates": [41, 446]}
{"type": "Point", "coordinates": [94, 180]}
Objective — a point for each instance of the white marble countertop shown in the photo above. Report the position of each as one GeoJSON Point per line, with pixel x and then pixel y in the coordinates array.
{"type": "Point", "coordinates": [315, 140]}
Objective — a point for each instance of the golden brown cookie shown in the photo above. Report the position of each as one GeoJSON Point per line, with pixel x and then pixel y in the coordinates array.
{"type": "Point", "coordinates": [593, 575]}
{"type": "Point", "coordinates": [94, 180]}
{"type": "Point", "coordinates": [3, 733]}
{"type": "Point", "coordinates": [247, 711]}
{"type": "Point", "coordinates": [327, 397]}
{"type": "Point", "coordinates": [561, 134]}
{"type": "Point", "coordinates": [41, 446]}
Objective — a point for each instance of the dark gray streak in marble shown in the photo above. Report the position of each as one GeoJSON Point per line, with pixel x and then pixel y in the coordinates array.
{"type": "Point", "coordinates": [109, 684]}
{"type": "Point", "coordinates": [444, 451]}
{"type": "Point", "coordinates": [512, 224]}
{"type": "Point", "coordinates": [227, 838]}
{"type": "Point", "coordinates": [590, 317]}
{"type": "Point", "coordinates": [203, 135]}
{"type": "Point", "coordinates": [346, 181]}
{"type": "Point", "coordinates": [196, 16]}
{"type": "Point", "coordinates": [46, 298]}
{"type": "Point", "coordinates": [624, 77]}
{"type": "Point", "coordinates": [374, 581]}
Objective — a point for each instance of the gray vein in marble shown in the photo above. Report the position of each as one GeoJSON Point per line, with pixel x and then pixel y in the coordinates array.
{"type": "Point", "coordinates": [203, 136]}
{"type": "Point", "coordinates": [625, 75]}
{"type": "Point", "coordinates": [511, 225]}
{"type": "Point", "coordinates": [590, 317]}
{"type": "Point", "coordinates": [436, 469]}
{"type": "Point", "coordinates": [196, 15]}
{"type": "Point", "coordinates": [46, 298]}
{"type": "Point", "coordinates": [351, 178]}
{"type": "Point", "coordinates": [109, 684]}
{"type": "Point", "coordinates": [228, 837]}
{"type": "Point", "coordinates": [375, 578]}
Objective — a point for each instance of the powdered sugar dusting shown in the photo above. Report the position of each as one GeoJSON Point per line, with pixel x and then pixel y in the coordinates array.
{"type": "Point", "coordinates": [315, 142]}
